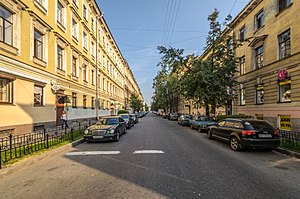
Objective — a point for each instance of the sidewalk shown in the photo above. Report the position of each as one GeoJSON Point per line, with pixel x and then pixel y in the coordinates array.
{"type": "Point", "coordinates": [288, 152]}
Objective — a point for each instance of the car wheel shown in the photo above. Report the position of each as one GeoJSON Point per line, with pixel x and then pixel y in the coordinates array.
{"type": "Point", "coordinates": [234, 143]}
{"type": "Point", "coordinates": [117, 137]}
{"type": "Point", "coordinates": [209, 135]}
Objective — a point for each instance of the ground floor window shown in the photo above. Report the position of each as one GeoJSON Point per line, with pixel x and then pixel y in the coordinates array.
{"type": "Point", "coordinates": [242, 97]}
{"type": "Point", "coordinates": [74, 100]}
{"type": "Point", "coordinates": [84, 101]}
{"type": "Point", "coordinates": [6, 90]}
{"type": "Point", "coordinates": [38, 95]}
{"type": "Point", "coordinates": [259, 94]}
{"type": "Point", "coordinates": [285, 91]}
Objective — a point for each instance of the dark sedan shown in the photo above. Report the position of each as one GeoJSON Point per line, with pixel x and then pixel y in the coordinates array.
{"type": "Point", "coordinates": [129, 121]}
{"type": "Point", "coordinates": [107, 128]}
{"type": "Point", "coordinates": [184, 120]}
{"type": "Point", "coordinates": [245, 133]}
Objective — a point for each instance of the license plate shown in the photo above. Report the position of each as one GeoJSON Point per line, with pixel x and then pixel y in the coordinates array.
{"type": "Point", "coordinates": [97, 136]}
{"type": "Point", "coordinates": [265, 135]}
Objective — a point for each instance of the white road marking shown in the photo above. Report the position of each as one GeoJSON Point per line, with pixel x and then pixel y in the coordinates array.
{"type": "Point", "coordinates": [147, 151]}
{"type": "Point", "coordinates": [94, 153]}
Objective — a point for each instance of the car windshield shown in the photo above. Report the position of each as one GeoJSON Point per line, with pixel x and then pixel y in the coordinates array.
{"type": "Point", "coordinates": [203, 118]}
{"type": "Point", "coordinates": [257, 125]}
{"type": "Point", "coordinates": [108, 121]}
{"type": "Point", "coordinates": [125, 116]}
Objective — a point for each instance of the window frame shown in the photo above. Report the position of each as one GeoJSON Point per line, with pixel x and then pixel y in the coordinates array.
{"type": "Point", "coordinates": [10, 90]}
{"type": "Point", "coordinates": [35, 53]}
{"type": "Point", "coordinates": [84, 101]}
{"type": "Point", "coordinates": [280, 94]}
{"type": "Point", "coordinates": [259, 20]}
{"type": "Point", "coordinates": [242, 65]}
{"type": "Point", "coordinates": [84, 72]}
{"type": "Point", "coordinates": [258, 89]}
{"type": "Point", "coordinates": [286, 2]}
{"type": "Point", "coordinates": [60, 63]}
{"type": "Point", "coordinates": [286, 42]}
{"type": "Point", "coordinates": [3, 28]}
{"type": "Point", "coordinates": [259, 57]}
{"type": "Point", "coordinates": [74, 67]}
{"type": "Point", "coordinates": [41, 98]}
{"type": "Point", "coordinates": [242, 93]}
{"type": "Point", "coordinates": [74, 100]}
{"type": "Point", "coordinates": [242, 33]}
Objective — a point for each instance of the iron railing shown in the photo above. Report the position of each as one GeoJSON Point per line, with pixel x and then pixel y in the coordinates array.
{"type": "Point", "coordinates": [15, 146]}
{"type": "Point", "coordinates": [290, 139]}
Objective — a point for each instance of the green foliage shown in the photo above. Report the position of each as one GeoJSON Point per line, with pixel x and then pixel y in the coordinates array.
{"type": "Point", "coordinates": [122, 112]}
{"type": "Point", "coordinates": [135, 103]}
{"type": "Point", "coordinates": [221, 117]}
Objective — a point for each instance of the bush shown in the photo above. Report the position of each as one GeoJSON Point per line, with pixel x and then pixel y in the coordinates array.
{"type": "Point", "coordinates": [122, 112]}
{"type": "Point", "coordinates": [221, 117]}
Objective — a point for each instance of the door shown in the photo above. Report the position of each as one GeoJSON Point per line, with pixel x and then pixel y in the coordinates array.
{"type": "Point", "coordinates": [60, 105]}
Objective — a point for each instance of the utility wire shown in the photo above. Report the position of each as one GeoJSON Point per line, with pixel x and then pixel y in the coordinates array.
{"type": "Point", "coordinates": [175, 21]}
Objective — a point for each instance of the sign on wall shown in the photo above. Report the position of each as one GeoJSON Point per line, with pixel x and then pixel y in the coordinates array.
{"type": "Point", "coordinates": [285, 122]}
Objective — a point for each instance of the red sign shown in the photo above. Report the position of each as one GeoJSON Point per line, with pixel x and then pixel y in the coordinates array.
{"type": "Point", "coordinates": [282, 74]}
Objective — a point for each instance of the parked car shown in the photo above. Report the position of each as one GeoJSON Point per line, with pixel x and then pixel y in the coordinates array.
{"type": "Point", "coordinates": [164, 115]}
{"type": "Point", "coordinates": [107, 128]}
{"type": "Point", "coordinates": [201, 123]}
{"type": "Point", "coordinates": [129, 122]}
{"type": "Point", "coordinates": [173, 116]}
{"type": "Point", "coordinates": [184, 120]}
{"type": "Point", "coordinates": [135, 118]}
{"type": "Point", "coordinates": [245, 133]}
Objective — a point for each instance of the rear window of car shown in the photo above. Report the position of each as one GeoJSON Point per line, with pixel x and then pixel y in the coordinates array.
{"type": "Point", "coordinates": [257, 125]}
{"type": "Point", "coordinates": [125, 116]}
{"type": "Point", "coordinates": [186, 117]}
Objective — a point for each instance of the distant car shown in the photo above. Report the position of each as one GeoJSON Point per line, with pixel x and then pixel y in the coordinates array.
{"type": "Point", "coordinates": [245, 133]}
{"type": "Point", "coordinates": [129, 122]}
{"type": "Point", "coordinates": [184, 120]}
{"type": "Point", "coordinates": [135, 118]}
{"type": "Point", "coordinates": [164, 116]}
{"type": "Point", "coordinates": [107, 128]}
{"type": "Point", "coordinates": [173, 116]}
{"type": "Point", "coordinates": [201, 123]}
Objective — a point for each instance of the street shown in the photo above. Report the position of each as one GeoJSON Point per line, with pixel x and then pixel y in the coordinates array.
{"type": "Point", "coordinates": [157, 158]}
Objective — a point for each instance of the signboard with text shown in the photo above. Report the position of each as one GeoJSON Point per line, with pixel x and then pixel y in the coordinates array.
{"type": "Point", "coordinates": [285, 122]}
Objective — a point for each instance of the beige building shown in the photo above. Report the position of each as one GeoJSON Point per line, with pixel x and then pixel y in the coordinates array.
{"type": "Point", "coordinates": [268, 35]}
{"type": "Point", "coordinates": [57, 55]}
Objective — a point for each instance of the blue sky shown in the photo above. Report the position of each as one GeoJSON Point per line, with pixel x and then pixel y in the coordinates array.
{"type": "Point", "coordinates": [139, 26]}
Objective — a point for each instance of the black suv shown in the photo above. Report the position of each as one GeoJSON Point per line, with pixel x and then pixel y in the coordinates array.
{"type": "Point", "coordinates": [245, 133]}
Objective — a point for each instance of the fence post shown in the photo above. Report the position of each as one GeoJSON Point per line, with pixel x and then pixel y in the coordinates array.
{"type": "Point", "coordinates": [47, 141]}
{"type": "Point", "coordinates": [10, 145]}
{"type": "Point", "coordinates": [72, 135]}
{"type": "Point", "coordinates": [0, 157]}
{"type": "Point", "coordinates": [44, 137]}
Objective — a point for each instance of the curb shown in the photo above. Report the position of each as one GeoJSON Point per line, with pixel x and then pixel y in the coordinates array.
{"type": "Point", "coordinates": [287, 152]}
{"type": "Point", "coordinates": [22, 164]}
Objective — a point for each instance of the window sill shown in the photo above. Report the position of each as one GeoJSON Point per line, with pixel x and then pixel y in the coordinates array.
{"type": "Point", "coordinates": [284, 102]}
{"type": "Point", "coordinates": [40, 7]}
{"type": "Point", "coordinates": [74, 78]}
{"type": "Point", "coordinates": [7, 103]}
{"type": "Point", "coordinates": [242, 105]}
{"type": "Point", "coordinates": [283, 58]}
{"type": "Point", "coordinates": [85, 49]}
{"type": "Point", "coordinates": [279, 12]}
{"type": "Point", "coordinates": [74, 107]}
{"type": "Point", "coordinates": [38, 106]}
{"type": "Point", "coordinates": [8, 48]}
{"type": "Point", "coordinates": [60, 71]}
{"type": "Point", "coordinates": [39, 62]}
{"type": "Point", "coordinates": [61, 26]}
{"type": "Point", "coordinates": [259, 29]}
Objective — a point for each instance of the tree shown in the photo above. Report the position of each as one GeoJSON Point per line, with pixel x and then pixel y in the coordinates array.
{"type": "Point", "coordinates": [135, 103]}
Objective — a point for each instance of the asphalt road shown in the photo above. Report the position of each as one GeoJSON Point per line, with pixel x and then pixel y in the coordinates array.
{"type": "Point", "coordinates": [157, 159]}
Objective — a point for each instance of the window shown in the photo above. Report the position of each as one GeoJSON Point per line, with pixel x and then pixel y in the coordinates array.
{"type": "Point", "coordinates": [42, 2]}
{"type": "Point", "coordinates": [259, 57]}
{"type": "Point", "coordinates": [74, 28]}
{"type": "Point", "coordinates": [285, 91]}
{"type": "Point", "coordinates": [242, 34]}
{"type": "Point", "coordinates": [60, 58]}
{"type": "Point", "coordinates": [75, 2]}
{"type": "Point", "coordinates": [92, 24]}
{"type": "Point", "coordinates": [6, 90]}
{"type": "Point", "coordinates": [60, 8]}
{"type": "Point", "coordinates": [259, 94]}
{"type": "Point", "coordinates": [6, 26]}
{"type": "Point", "coordinates": [38, 45]}
{"type": "Point", "coordinates": [74, 100]}
{"type": "Point", "coordinates": [93, 102]}
{"type": "Point", "coordinates": [84, 12]}
{"type": "Point", "coordinates": [259, 20]}
{"type": "Point", "coordinates": [283, 4]}
{"type": "Point", "coordinates": [74, 66]}
{"type": "Point", "coordinates": [38, 95]}
{"type": "Point", "coordinates": [284, 41]}
{"type": "Point", "coordinates": [242, 65]}
{"type": "Point", "coordinates": [84, 101]}
{"type": "Point", "coordinates": [242, 96]}
{"type": "Point", "coordinates": [84, 71]}
{"type": "Point", "coordinates": [84, 40]}
{"type": "Point", "coordinates": [93, 77]}
{"type": "Point", "coordinates": [93, 49]}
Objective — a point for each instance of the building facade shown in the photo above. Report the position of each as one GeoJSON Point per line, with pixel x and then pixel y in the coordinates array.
{"type": "Point", "coordinates": [57, 55]}
{"type": "Point", "coordinates": [267, 34]}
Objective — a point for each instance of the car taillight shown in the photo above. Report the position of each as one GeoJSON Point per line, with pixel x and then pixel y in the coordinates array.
{"type": "Point", "coordinates": [276, 132]}
{"type": "Point", "coordinates": [248, 132]}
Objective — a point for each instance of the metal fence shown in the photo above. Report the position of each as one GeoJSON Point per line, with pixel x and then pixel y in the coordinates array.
{"type": "Point", "coordinates": [16, 146]}
{"type": "Point", "coordinates": [290, 139]}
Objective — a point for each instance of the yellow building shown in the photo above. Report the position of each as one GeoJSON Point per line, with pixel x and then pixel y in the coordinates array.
{"type": "Point", "coordinates": [56, 55]}
{"type": "Point", "coordinates": [268, 38]}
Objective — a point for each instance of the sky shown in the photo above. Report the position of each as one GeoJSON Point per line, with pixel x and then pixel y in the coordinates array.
{"type": "Point", "coordinates": [139, 26]}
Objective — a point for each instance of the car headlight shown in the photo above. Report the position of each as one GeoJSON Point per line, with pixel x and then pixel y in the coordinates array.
{"type": "Point", "coordinates": [110, 131]}
{"type": "Point", "coordinates": [87, 131]}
